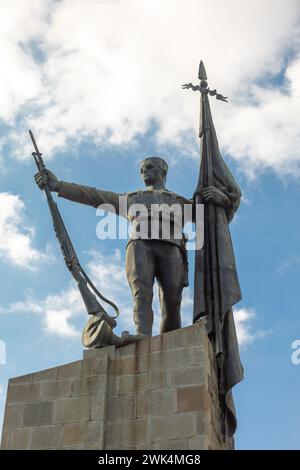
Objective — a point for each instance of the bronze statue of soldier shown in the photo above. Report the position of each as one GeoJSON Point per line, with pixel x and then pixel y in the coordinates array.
{"type": "Point", "coordinates": [161, 258]}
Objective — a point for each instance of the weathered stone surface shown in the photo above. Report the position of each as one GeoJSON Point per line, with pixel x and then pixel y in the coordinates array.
{"type": "Point", "coordinates": [157, 379]}
{"type": "Point", "coordinates": [163, 360]}
{"type": "Point", "coordinates": [167, 444]}
{"type": "Point", "coordinates": [198, 443]}
{"type": "Point", "coordinates": [157, 403]}
{"type": "Point", "coordinates": [173, 339]}
{"type": "Point", "coordinates": [95, 432]}
{"type": "Point", "coordinates": [70, 410]}
{"type": "Point", "coordinates": [192, 398]}
{"type": "Point", "coordinates": [22, 378]}
{"type": "Point", "coordinates": [48, 374]}
{"type": "Point", "coordinates": [46, 437]}
{"type": "Point", "coordinates": [159, 394]}
{"type": "Point", "coordinates": [94, 366]}
{"type": "Point", "coordinates": [5, 440]}
{"type": "Point", "coordinates": [13, 416]}
{"type": "Point", "coordinates": [23, 392]}
{"type": "Point", "coordinates": [108, 351]}
{"type": "Point", "coordinates": [113, 385]}
{"type": "Point", "coordinates": [197, 335]}
{"type": "Point", "coordinates": [172, 427]}
{"type": "Point", "coordinates": [21, 439]}
{"type": "Point", "coordinates": [98, 406]}
{"type": "Point", "coordinates": [144, 345]}
{"type": "Point", "coordinates": [120, 434]}
{"type": "Point", "coordinates": [125, 366]}
{"type": "Point", "coordinates": [122, 407]}
{"type": "Point", "coordinates": [188, 376]}
{"type": "Point", "coordinates": [204, 423]}
{"type": "Point", "coordinates": [132, 383]}
{"type": "Point", "coordinates": [129, 350]}
{"type": "Point", "coordinates": [38, 414]}
{"type": "Point", "coordinates": [69, 370]}
{"type": "Point", "coordinates": [56, 389]}
{"type": "Point", "coordinates": [74, 434]}
{"type": "Point", "coordinates": [88, 385]}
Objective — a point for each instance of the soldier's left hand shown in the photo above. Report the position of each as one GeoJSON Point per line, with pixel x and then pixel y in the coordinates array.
{"type": "Point", "coordinates": [212, 194]}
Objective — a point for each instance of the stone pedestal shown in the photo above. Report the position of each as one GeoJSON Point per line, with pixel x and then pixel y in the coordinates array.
{"type": "Point", "coordinates": [158, 394]}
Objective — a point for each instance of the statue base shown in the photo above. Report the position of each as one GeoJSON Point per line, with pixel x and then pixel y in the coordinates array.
{"type": "Point", "coordinates": [160, 393]}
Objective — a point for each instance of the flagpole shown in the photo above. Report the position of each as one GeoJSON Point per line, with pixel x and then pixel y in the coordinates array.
{"type": "Point", "coordinates": [215, 291]}
{"type": "Point", "coordinates": [210, 240]}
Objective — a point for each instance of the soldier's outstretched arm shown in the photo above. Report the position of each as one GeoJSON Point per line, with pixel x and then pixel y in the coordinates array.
{"type": "Point", "coordinates": [77, 192]}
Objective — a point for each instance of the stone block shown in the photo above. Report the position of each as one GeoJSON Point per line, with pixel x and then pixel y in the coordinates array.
{"type": "Point", "coordinates": [187, 376]}
{"type": "Point", "coordinates": [108, 351]}
{"type": "Point", "coordinates": [13, 417]}
{"type": "Point", "coordinates": [38, 414]}
{"type": "Point", "coordinates": [198, 443]}
{"type": "Point", "coordinates": [98, 406]}
{"type": "Point", "coordinates": [129, 350]}
{"type": "Point", "coordinates": [132, 383]}
{"type": "Point", "coordinates": [21, 439]}
{"type": "Point", "coordinates": [21, 379]}
{"type": "Point", "coordinates": [70, 410]}
{"type": "Point", "coordinates": [48, 374]}
{"type": "Point", "coordinates": [88, 385]}
{"type": "Point", "coordinates": [192, 399]}
{"type": "Point", "coordinates": [166, 444]}
{"type": "Point", "coordinates": [122, 407]}
{"type": "Point", "coordinates": [155, 344]}
{"type": "Point", "coordinates": [163, 360]}
{"type": "Point", "coordinates": [157, 379]}
{"type": "Point", "coordinates": [174, 339]}
{"type": "Point", "coordinates": [94, 366]}
{"type": "Point", "coordinates": [144, 345]}
{"type": "Point", "coordinates": [172, 427]}
{"type": "Point", "coordinates": [46, 437]}
{"type": "Point", "coordinates": [56, 389]}
{"type": "Point", "coordinates": [157, 403]}
{"type": "Point", "coordinates": [124, 366]}
{"type": "Point", "coordinates": [73, 369]}
{"type": "Point", "coordinates": [120, 434]}
{"type": "Point", "coordinates": [23, 392]}
{"type": "Point", "coordinates": [196, 335]}
{"type": "Point", "coordinates": [5, 440]}
{"type": "Point", "coordinates": [92, 446]}
{"type": "Point", "coordinates": [113, 385]}
{"type": "Point", "coordinates": [203, 423]}
{"type": "Point", "coordinates": [73, 434]}
{"type": "Point", "coordinates": [95, 432]}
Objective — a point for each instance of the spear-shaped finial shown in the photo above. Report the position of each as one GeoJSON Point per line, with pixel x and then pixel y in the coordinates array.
{"type": "Point", "coordinates": [203, 88]}
{"type": "Point", "coordinates": [202, 72]}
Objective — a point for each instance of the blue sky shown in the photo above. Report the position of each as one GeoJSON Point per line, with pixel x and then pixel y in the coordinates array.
{"type": "Point", "coordinates": [101, 95]}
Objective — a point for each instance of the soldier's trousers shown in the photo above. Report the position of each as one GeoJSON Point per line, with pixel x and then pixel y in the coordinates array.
{"type": "Point", "coordinates": [145, 261]}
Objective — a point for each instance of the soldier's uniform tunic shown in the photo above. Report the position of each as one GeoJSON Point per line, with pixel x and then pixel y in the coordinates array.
{"type": "Point", "coordinates": [161, 256]}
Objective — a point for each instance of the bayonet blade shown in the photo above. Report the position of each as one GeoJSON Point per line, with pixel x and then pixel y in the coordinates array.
{"type": "Point", "coordinates": [34, 143]}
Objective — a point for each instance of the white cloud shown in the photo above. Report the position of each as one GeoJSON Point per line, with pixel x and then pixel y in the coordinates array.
{"type": "Point", "coordinates": [243, 322]}
{"type": "Point", "coordinates": [16, 237]}
{"type": "Point", "coordinates": [58, 311]}
{"type": "Point", "coordinates": [110, 68]}
{"type": "Point", "coordinates": [21, 81]}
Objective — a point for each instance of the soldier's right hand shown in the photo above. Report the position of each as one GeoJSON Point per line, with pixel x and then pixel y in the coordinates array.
{"type": "Point", "coordinates": [44, 177]}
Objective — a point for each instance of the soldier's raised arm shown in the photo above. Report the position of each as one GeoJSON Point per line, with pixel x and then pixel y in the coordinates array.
{"type": "Point", "coordinates": [77, 192]}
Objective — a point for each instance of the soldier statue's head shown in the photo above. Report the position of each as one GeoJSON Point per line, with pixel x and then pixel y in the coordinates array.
{"type": "Point", "coordinates": [154, 172]}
